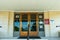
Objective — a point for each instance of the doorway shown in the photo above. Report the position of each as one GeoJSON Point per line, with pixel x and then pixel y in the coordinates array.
{"type": "Point", "coordinates": [21, 22]}
{"type": "Point", "coordinates": [28, 19]}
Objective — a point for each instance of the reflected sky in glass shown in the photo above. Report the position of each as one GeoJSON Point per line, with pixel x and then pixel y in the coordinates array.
{"type": "Point", "coordinates": [31, 24]}
{"type": "Point", "coordinates": [24, 26]}
{"type": "Point", "coordinates": [17, 24]}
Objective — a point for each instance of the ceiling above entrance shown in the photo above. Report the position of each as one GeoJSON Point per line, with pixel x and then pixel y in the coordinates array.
{"type": "Point", "coordinates": [29, 5]}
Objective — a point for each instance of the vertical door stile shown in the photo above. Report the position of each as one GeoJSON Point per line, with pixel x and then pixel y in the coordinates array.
{"type": "Point", "coordinates": [20, 23]}
{"type": "Point", "coordinates": [29, 20]}
{"type": "Point", "coordinates": [37, 22]}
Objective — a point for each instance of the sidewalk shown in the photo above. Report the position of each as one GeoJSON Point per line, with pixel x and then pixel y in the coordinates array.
{"type": "Point", "coordinates": [23, 39]}
{"type": "Point", "coordinates": [42, 38]}
{"type": "Point", "coordinates": [51, 38]}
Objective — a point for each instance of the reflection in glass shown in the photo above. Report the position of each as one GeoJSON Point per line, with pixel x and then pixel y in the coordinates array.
{"type": "Point", "coordinates": [41, 22]}
{"type": "Point", "coordinates": [16, 26]}
{"type": "Point", "coordinates": [33, 26]}
{"type": "Point", "coordinates": [24, 28]}
{"type": "Point", "coordinates": [24, 25]}
{"type": "Point", "coordinates": [16, 22]}
{"type": "Point", "coordinates": [17, 16]}
{"type": "Point", "coordinates": [24, 22]}
{"type": "Point", "coordinates": [24, 16]}
{"type": "Point", "coordinates": [33, 16]}
{"type": "Point", "coordinates": [41, 27]}
{"type": "Point", "coordinates": [40, 16]}
{"type": "Point", "coordinates": [33, 22]}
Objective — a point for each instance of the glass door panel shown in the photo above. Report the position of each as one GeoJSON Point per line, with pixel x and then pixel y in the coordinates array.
{"type": "Point", "coordinates": [16, 25]}
{"type": "Point", "coordinates": [24, 22]}
{"type": "Point", "coordinates": [16, 22]}
{"type": "Point", "coordinates": [41, 22]}
{"type": "Point", "coordinates": [24, 25]}
{"type": "Point", "coordinates": [33, 16]}
{"type": "Point", "coordinates": [41, 25]}
{"type": "Point", "coordinates": [33, 25]}
{"type": "Point", "coordinates": [33, 22]}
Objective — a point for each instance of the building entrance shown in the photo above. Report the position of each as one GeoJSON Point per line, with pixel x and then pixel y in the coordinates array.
{"type": "Point", "coordinates": [23, 20]}
{"type": "Point", "coordinates": [29, 19]}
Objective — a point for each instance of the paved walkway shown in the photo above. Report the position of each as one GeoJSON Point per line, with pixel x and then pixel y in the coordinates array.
{"type": "Point", "coordinates": [42, 38]}
{"type": "Point", "coordinates": [51, 38]}
{"type": "Point", "coordinates": [23, 39]}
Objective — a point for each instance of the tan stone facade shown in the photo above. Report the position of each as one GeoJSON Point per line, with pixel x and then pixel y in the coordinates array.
{"type": "Point", "coordinates": [51, 29]}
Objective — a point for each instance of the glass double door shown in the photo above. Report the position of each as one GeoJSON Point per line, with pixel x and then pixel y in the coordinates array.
{"type": "Point", "coordinates": [30, 20]}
